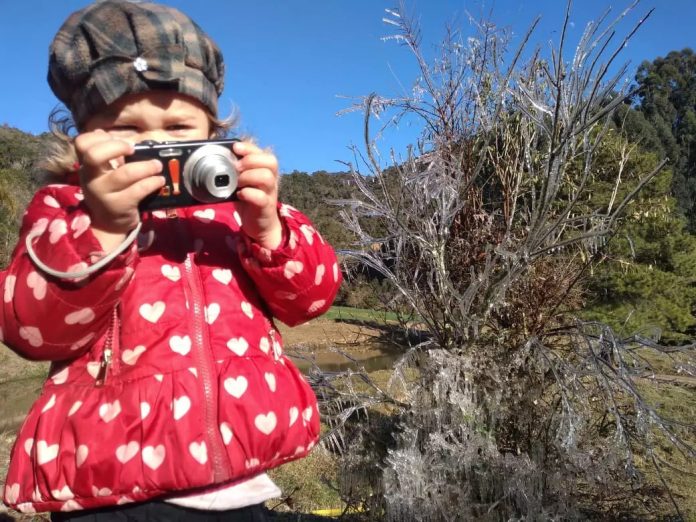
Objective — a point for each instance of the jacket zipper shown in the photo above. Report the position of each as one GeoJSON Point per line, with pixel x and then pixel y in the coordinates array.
{"type": "Point", "coordinates": [205, 363]}
{"type": "Point", "coordinates": [110, 349]}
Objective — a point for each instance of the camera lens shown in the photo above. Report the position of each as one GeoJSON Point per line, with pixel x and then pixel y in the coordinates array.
{"type": "Point", "coordinates": [222, 180]}
{"type": "Point", "coordinates": [209, 173]}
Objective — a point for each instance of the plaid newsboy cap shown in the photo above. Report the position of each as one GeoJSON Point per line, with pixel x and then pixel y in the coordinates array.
{"type": "Point", "coordinates": [118, 47]}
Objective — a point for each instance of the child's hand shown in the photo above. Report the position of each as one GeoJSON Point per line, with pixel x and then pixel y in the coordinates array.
{"type": "Point", "coordinates": [112, 188]}
{"type": "Point", "coordinates": [257, 193]}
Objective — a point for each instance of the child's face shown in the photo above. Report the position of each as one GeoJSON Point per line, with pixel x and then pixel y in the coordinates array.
{"type": "Point", "coordinates": [153, 115]}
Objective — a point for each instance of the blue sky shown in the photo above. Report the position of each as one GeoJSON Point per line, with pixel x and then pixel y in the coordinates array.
{"type": "Point", "coordinates": [289, 62]}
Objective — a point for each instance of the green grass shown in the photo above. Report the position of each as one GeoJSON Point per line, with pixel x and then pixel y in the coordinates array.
{"type": "Point", "coordinates": [346, 313]}
{"type": "Point", "coordinates": [303, 482]}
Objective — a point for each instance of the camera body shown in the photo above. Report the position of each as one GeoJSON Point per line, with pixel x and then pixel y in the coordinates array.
{"type": "Point", "coordinates": [196, 172]}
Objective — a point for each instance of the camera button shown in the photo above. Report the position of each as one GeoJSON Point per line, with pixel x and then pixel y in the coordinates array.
{"type": "Point", "coordinates": [175, 173]}
{"type": "Point", "coordinates": [168, 153]}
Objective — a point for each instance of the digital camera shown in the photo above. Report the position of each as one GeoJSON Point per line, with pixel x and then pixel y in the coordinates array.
{"type": "Point", "coordinates": [196, 172]}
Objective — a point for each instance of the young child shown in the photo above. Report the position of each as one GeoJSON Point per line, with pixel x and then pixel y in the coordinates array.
{"type": "Point", "coordinates": [169, 394]}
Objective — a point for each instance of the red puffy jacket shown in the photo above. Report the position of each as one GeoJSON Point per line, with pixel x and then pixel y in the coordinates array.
{"type": "Point", "coordinates": [168, 373]}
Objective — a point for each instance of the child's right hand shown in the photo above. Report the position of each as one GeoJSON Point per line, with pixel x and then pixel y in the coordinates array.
{"type": "Point", "coordinates": [112, 188]}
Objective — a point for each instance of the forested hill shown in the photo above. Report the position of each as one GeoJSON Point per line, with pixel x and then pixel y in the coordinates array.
{"type": "Point", "coordinates": [18, 153]}
{"type": "Point", "coordinates": [314, 195]}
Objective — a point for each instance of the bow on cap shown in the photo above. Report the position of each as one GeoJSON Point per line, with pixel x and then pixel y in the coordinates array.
{"type": "Point", "coordinates": [118, 74]}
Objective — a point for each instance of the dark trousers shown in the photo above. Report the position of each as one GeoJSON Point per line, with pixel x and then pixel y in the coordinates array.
{"type": "Point", "coordinates": [162, 512]}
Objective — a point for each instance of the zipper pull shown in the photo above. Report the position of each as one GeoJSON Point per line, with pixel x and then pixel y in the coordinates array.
{"type": "Point", "coordinates": [104, 368]}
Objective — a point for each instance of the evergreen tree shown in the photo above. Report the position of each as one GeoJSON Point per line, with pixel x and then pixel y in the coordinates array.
{"type": "Point", "coordinates": [646, 279]}
{"type": "Point", "coordinates": [667, 98]}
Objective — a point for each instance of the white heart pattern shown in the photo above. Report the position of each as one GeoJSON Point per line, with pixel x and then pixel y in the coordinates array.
{"type": "Point", "coordinates": [144, 410]}
{"type": "Point", "coordinates": [71, 505]}
{"type": "Point", "coordinates": [103, 492]}
{"type": "Point", "coordinates": [37, 283]}
{"type": "Point", "coordinates": [285, 210]}
{"type": "Point", "coordinates": [153, 456]}
{"type": "Point", "coordinates": [32, 335]}
{"type": "Point", "coordinates": [39, 227]}
{"type": "Point", "coordinates": [171, 272]}
{"type": "Point", "coordinates": [79, 225]}
{"type": "Point", "coordinates": [236, 387]}
{"type": "Point", "coordinates": [57, 229]}
{"type": "Point", "coordinates": [223, 275]}
{"type": "Point", "coordinates": [226, 432]}
{"type": "Point", "coordinates": [73, 409]}
{"type": "Point", "coordinates": [308, 233]}
{"type": "Point", "coordinates": [238, 345]}
{"type": "Point", "coordinates": [316, 306]}
{"type": "Point", "coordinates": [81, 455]}
{"type": "Point", "coordinates": [266, 423]}
{"type": "Point", "coordinates": [294, 413]}
{"type": "Point", "coordinates": [83, 316]}
{"type": "Point", "coordinates": [307, 414]}
{"type": "Point", "coordinates": [63, 494]}
{"type": "Point", "coordinates": [247, 309]}
{"type": "Point", "coordinates": [93, 369]}
{"type": "Point", "coordinates": [292, 268]}
{"type": "Point", "coordinates": [110, 410]}
{"type": "Point", "coordinates": [152, 312]}
{"type": "Point", "coordinates": [199, 451]}
{"type": "Point", "coordinates": [130, 357]}
{"type": "Point", "coordinates": [271, 381]}
{"type": "Point", "coordinates": [180, 345]}
{"type": "Point", "coordinates": [11, 493]}
{"type": "Point", "coordinates": [45, 453]}
{"type": "Point", "coordinates": [321, 269]}
{"type": "Point", "coordinates": [288, 296]}
{"type": "Point", "coordinates": [181, 406]}
{"type": "Point", "coordinates": [61, 376]}
{"type": "Point", "coordinates": [205, 215]}
{"type": "Point", "coordinates": [126, 452]}
{"type": "Point", "coordinates": [265, 345]}
{"type": "Point", "coordinates": [212, 312]}
{"type": "Point", "coordinates": [10, 282]}
{"type": "Point", "coordinates": [28, 446]}
{"type": "Point", "coordinates": [50, 201]}
{"type": "Point", "coordinates": [50, 404]}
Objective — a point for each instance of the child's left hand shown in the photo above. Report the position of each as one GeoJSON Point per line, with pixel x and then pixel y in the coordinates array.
{"type": "Point", "coordinates": [257, 194]}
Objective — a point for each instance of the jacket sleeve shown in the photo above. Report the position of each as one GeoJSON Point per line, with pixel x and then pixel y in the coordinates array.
{"type": "Point", "coordinates": [51, 318]}
{"type": "Point", "coordinates": [300, 279]}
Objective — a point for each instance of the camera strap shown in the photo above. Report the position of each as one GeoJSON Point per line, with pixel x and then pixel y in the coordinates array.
{"type": "Point", "coordinates": [79, 274]}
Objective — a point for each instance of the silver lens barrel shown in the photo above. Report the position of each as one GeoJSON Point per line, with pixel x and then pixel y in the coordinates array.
{"type": "Point", "coordinates": [209, 174]}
